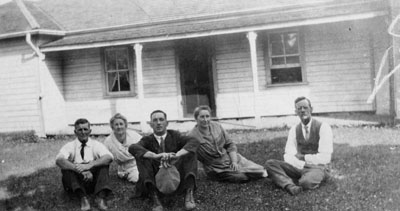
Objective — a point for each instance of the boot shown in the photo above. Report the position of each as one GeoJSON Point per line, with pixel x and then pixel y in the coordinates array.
{"type": "Point", "coordinates": [85, 205]}
{"type": "Point", "coordinates": [101, 204]}
{"type": "Point", "coordinates": [156, 202]}
{"type": "Point", "coordinates": [189, 200]}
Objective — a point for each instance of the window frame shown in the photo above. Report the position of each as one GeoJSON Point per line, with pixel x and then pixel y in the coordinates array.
{"type": "Point", "coordinates": [131, 72]}
{"type": "Point", "coordinates": [268, 58]}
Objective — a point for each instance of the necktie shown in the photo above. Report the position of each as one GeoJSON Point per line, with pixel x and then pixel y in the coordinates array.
{"type": "Point", "coordinates": [162, 144]}
{"type": "Point", "coordinates": [83, 150]}
{"type": "Point", "coordinates": [307, 136]}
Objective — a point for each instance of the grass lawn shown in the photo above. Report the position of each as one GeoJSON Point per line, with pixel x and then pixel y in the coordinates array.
{"type": "Point", "coordinates": [366, 176]}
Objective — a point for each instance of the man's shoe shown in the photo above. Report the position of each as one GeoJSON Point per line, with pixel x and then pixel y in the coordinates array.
{"type": "Point", "coordinates": [101, 203]}
{"type": "Point", "coordinates": [156, 202]}
{"type": "Point", "coordinates": [293, 189]}
{"type": "Point", "coordinates": [85, 205]}
{"type": "Point", "coordinates": [189, 200]}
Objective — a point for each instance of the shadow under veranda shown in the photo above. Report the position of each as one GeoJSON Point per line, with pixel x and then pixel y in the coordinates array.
{"type": "Point", "coordinates": [363, 177]}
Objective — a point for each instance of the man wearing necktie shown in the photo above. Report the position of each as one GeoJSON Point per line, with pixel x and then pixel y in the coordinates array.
{"type": "Point", "coordinates": [307, 153]}
{"type": "Point", "coordinates": [164, 149]}
{"type": "Point", "coordinates": [84, 165]}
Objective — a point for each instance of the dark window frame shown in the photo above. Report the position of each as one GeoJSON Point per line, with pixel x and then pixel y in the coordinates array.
{"type": "Point", "coordinates": [269, 57]}
{"type": "Point", "coordinates": [130, 69]}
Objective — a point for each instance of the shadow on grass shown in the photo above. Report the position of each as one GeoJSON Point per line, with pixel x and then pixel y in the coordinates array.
{"type": "Point", "coordinates": [363, 178]}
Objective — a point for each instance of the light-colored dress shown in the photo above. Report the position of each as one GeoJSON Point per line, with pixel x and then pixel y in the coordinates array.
{"type": "Point", "coordinates": [126, 162]}
{"type": "Point", "coordinates": [214, 150]}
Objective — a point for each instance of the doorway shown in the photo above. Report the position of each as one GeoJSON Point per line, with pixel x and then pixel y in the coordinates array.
{"type": "Point", "coordinates": [195, 66]}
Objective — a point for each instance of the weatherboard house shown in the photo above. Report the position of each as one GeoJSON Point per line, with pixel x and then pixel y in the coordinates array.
{"type": "Point", "coordinates": [61, 60]}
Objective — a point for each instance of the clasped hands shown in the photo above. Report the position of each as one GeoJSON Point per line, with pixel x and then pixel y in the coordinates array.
{"type": "Point", "coordinates": [167, 159]}
{"type": "Point", "coordinates": [83, 168]}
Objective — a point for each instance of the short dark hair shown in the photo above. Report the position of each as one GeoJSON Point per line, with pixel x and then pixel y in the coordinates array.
{"type": "Point", "coordinates": [118, 116]}
{"type": "Point", "coordinates": [302, 98]}
{"type": "Point", "coordinates": [158, 111]}
{"type": "Point", "coordinates": [81, 121]}
{"type": "Point", "coordinates": [197, 110]}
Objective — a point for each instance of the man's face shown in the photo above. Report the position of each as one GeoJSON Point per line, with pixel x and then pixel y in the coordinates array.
{"type": "Point", "coordinates": [159, 123]}
{"type": "Point", "coordinates": [82, 132]}
{"type": "Point", "coordinates": [303, 110]}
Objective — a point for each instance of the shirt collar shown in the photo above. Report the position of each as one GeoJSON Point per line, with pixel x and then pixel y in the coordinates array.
{"type": "Point", "coordinates": [159, 137]}
{"type": "Point", "coordinates": [307, 125]}
{"type": "Point", "coordinates": [89, 143]}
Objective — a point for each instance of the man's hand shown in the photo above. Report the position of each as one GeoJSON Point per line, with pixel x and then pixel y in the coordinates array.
{"type": "Point", "coordinates": [81, 167]}
{"type": "Point", "coordinates": [300, 156]}
{"type": "Point", "coordinates": [166, 158]}
{"type": "Point", "coordinates": [87, 176]}
{"type": "Point", "coordinates": [234, 166]}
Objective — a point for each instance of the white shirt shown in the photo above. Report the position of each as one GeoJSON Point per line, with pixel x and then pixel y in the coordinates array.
{"type": "Point", "coordinates": [93, 150]}
{"type": "Point", "coordinates": [325, 147]}
{"type": "Point", "coordinates": [158, 138]}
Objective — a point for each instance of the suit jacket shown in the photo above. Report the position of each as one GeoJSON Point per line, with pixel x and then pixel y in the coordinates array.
{"type": "Point", "coordinates": [174, 142]}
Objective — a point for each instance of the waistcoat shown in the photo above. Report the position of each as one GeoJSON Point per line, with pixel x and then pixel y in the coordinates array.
{"type": "Point", "coordinates": [310, 146]}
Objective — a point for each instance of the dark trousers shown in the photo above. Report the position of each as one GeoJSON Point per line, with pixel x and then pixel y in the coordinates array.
{"type": "Point", "coordinates": [148, 168]}
{"type": "Point", "coordinates": [73, 181]}
{"type": "Point", "coordinates": [283, 174]}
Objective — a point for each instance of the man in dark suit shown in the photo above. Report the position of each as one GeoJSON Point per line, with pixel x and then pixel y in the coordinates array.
{"type": "Point", "coordinates": [164, 149]}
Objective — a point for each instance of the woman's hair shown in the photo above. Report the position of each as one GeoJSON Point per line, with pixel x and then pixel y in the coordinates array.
{"type": "Point", "coordinates": [200, 108]}
{"type": "Point", "coordinates": [118, 116]}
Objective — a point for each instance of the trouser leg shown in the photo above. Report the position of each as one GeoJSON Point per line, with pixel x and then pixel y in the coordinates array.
{"type": "Point", "coordinates": [282, 173]}
{"type": "Point", "coordinates": [73, 182]}
{"type": "Point", "coordinates": [101, 180]}
{"type": "Point", "coordinates": [187, 167]}
{"type": "Point", "coordinates": [312, 176]}
{"type": "Point", "coordinates": [147, 171]}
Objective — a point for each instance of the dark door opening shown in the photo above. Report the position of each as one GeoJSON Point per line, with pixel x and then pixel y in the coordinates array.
{"type": "Point", "coordinates": [195, 65]}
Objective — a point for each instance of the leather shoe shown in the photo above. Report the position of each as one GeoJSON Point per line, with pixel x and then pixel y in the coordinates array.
{"type": "Point", "coordinates": [189, 200]}
{"type": "Point", "coordinates": [85, 205]}
{"type": "Point", "coordinates": [156, 202]}
{"type": "Point", "coordinates": [101, 203]}
{"type": "Point", "coordinates": [293, 189]}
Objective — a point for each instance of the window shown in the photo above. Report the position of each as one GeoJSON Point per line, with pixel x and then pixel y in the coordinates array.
{"type": "Point", "coordinates": [118, 71]}
{"type": "Point", "coordinates": [284, 58]}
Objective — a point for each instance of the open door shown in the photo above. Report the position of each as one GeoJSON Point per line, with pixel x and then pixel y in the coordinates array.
{"type": "Point", "coordinates": [195, 66]}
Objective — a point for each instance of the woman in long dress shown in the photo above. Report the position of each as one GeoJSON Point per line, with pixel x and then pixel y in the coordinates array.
{"type": "Point", "coordinates": [118, 143]}
{"type": "Point", "coordinates": [218, 153]}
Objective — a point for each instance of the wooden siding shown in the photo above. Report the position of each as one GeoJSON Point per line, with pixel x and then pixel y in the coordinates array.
{"type": "Point", "coordinates": [82, 75]}
{"type": "Point", "coordinates": [338, 65]}
{"type": "Point", "coordinates": [159, 72]}
{"type": "Point", "coordinates": [84, 83]}
{"type": "Point", "coordinates": [19, 98]}
{"type": "Point", "coordinates": [53, 94]}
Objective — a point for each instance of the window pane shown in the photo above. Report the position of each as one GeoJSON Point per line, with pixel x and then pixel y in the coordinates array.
{"type": "Point", "coordinates": [276, 44]}
{"type": "Point", "coordinates": [124, 81]}
{"type": "Point", "coordinates": [110, 60]}
{"type": "Point", "coordinates": [292, 60]}
{"type": "Point", "coordinates": [278, 60]}
{"type": "Point", "coordinates": [286, 75]}
{"type": "Point", "coordinates": [291, 43]}
{"type": "Point", "coordinates": [113, 82]}
{"type": "Point", "coordinates": [122, 59]}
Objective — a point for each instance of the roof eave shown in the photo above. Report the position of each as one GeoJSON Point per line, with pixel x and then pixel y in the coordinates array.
{"type": "Point", "coordinates": [270, 26]}
{"type": "Point", "coordinates": [33, 32]}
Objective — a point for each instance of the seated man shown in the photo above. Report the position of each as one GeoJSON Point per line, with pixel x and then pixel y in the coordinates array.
{"type": "Point", "coordinates": [84, 165]}
{"type": "Point", "coordinates": [162, 149]}
{"type": "Point", "coordinates": [307, 153]}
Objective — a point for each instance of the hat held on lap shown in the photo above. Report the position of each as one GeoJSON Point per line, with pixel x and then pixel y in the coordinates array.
{"type": "Point", "coordinates": [167, 179]}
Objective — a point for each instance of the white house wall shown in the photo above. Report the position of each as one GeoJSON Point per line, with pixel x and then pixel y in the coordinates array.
{"type": "Point", "coordinates": [338, 70]}
{"type": "Point", "coordinates": [84, 86]}
{"type": "Point", "coordinates": [19, 98]}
